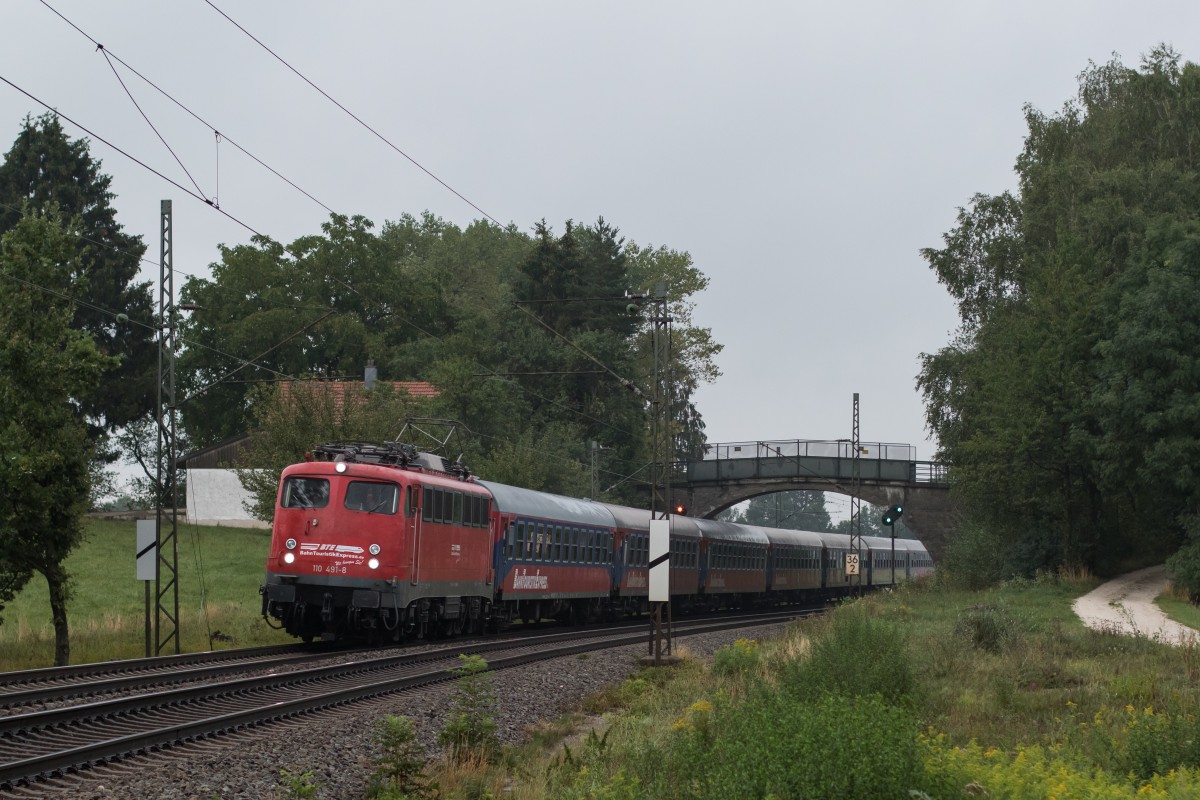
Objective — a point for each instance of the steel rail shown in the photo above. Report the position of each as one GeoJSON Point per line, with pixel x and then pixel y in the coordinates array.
{"type": "Point", "coordinates": [57, 763]}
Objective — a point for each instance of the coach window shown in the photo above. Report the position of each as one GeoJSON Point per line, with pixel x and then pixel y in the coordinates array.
{"type": "Point", "coordinates": [607, 547]}
{"type": "Point", "coordinates": [520, 540]}
{"type": "Point", "coordinates": [558, 543]}
{"type": "Point", "coordinates": [510, 540]}
{"type": "Point", "coordinates": [457, 513]}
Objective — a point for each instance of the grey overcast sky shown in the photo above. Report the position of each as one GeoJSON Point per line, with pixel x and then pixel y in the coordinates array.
{"type": "Point", "coordinates": [802, 153]}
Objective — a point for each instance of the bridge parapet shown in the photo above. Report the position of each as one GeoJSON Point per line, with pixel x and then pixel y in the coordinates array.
{"type": "Point", "coordinates": [884, 474]}
{"type": "Point", "coordinates": [830, 460]}
{"type": "Point", "coordinates": [824, 448]}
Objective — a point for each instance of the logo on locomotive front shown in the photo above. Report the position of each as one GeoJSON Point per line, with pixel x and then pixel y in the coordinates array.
{"type": "Point", "coordinates": [345, 554]}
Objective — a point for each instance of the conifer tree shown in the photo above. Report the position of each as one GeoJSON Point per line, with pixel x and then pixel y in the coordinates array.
{"type": "Point", "coordinates": [45, 168]}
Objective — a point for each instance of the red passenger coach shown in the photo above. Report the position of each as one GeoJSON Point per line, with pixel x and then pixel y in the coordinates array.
{"type": "Point", "coordinates": [633, 558]}
{"type": "Point", "coordinates": [554, 555]}
{"type": "Point", "coordinates": [733, 562]}
{"type": "Point", "coordinates": [794, 566]}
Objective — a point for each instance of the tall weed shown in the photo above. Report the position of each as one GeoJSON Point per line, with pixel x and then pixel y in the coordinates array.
{"type": "Point", "coordinates": [858, 655]}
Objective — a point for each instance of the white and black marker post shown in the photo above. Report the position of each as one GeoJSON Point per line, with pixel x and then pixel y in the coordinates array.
{"type": "Point", "coordinates": [660, 586]}
{"type": "Point", "coordinates": [147, 561]}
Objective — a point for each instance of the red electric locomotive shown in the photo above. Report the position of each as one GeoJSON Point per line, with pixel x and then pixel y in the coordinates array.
{"type": "Point", "coordinates": [379, 539]}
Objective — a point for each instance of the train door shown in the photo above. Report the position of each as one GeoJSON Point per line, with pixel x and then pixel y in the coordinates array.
{"type": "Point", "coordinates": [414, 514]}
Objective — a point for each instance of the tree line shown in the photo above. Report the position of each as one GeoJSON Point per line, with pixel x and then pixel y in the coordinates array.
{"type": "Point", "coordinates": [1068, 402]}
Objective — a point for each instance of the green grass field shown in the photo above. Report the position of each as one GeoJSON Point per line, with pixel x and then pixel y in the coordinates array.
{"type": "Point", "coordinates": [220, 570]}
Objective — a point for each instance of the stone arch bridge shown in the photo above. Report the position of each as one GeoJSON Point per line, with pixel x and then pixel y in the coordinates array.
{"type": "Point", "coordinates": [883, 474]}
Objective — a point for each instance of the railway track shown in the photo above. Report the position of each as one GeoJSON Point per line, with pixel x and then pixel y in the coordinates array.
{"type": "Point", "coordinates": [194, 702]}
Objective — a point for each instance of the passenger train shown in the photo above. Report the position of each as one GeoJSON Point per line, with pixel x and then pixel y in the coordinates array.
{"type": "Point", "coordinates": [386, 543]}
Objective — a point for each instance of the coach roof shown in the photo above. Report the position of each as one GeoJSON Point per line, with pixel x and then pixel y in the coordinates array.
{"type": "Point", "coordinates": [528, 503]}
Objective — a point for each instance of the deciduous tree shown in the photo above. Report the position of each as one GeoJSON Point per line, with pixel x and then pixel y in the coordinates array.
{"type": "Point", "coordinates": [45, 365]}
{"type": "Point", "coordinates": [1066, 402]}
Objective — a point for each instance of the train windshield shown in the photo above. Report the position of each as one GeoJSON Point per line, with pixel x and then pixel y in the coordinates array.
{"type": "Point", "coordinates": [373, 498]}
{"type": "Point", "coordinates": [305, 493]}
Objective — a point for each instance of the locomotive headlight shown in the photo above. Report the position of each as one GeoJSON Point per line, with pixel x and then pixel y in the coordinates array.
{"type": "Point", "coordinates": [341, 466]}
{"type": "Point", "coordinates": [374, 549]}
{"type": "Point", "coordinates": [290, 544]}
{"type": "Point", "coordinates": [373, 563]}
{"type": "Point", "coordinates": [289, 557]}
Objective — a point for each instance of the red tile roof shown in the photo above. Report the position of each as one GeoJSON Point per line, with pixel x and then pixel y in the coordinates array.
{"type": "Point", "coordinates": [338, 391]}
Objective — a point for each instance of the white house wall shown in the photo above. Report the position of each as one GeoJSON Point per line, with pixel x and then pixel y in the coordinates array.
{"type": "Point", "coordinates": [216, 497]}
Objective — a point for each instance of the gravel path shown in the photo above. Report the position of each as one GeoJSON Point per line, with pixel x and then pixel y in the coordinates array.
{"type": "Point", "coordinates": [1126, 605]}
{"type": "Point", "coordinates": [337, 745]}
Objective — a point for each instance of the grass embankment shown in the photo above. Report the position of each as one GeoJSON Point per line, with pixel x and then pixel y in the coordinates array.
{"type": "Point", "coordinates": [107, 611]}
{"type": "Point", "coordinates": [925, 693]}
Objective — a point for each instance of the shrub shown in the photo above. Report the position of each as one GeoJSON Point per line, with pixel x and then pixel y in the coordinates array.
{"type": "Point", "coordinates": [1143, 742]}
{"type": "Point", "coordinates": [986, 627]}
{"type": "Point", "coordinates": [829, 747]}
{"type": "Point", "coordinates": [297, 785]}
{"type": "Point", "coordinates": [1184, 569]}
{"type": "Point", "coordinates": [1031, 773]}
{"type": "Point", "coordinates": [471, 728]}
{"type": "Point", "coordinates": [737, 658]}
{"type": "Point", "coordinates": [400, 767]}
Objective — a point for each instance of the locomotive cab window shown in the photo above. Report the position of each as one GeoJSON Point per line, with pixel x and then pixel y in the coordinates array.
{"type": "Point", "coordinates": [373, 498]}
{"type": "Point", "coordinates": [305, 493]}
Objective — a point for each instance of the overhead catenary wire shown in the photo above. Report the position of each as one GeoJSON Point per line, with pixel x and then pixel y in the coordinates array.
{"type": "Point", "coordinates": [628, 384]}
{"type": "Point", "coordinates": [133, 100]}
{"type": "Point", "coordinates": [352, 115]}
{"type": "Point", "coordinates": [221, 136]}
{"type": "Point", "coordinates": [139, 162]}
{"type": "Point", "coordinates": [125, 318]}
{"type": "Point", "coordinates": [260, 235]}
{"type": "Point", "coordinates": [249, 228]}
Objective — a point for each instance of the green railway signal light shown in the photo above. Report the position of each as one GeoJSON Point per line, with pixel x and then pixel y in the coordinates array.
{"type": "Point", "coordinates": [892, 514]}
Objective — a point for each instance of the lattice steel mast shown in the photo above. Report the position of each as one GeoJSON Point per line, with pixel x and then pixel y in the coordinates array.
{"type": "Point", "coordinates": [166, 573]}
